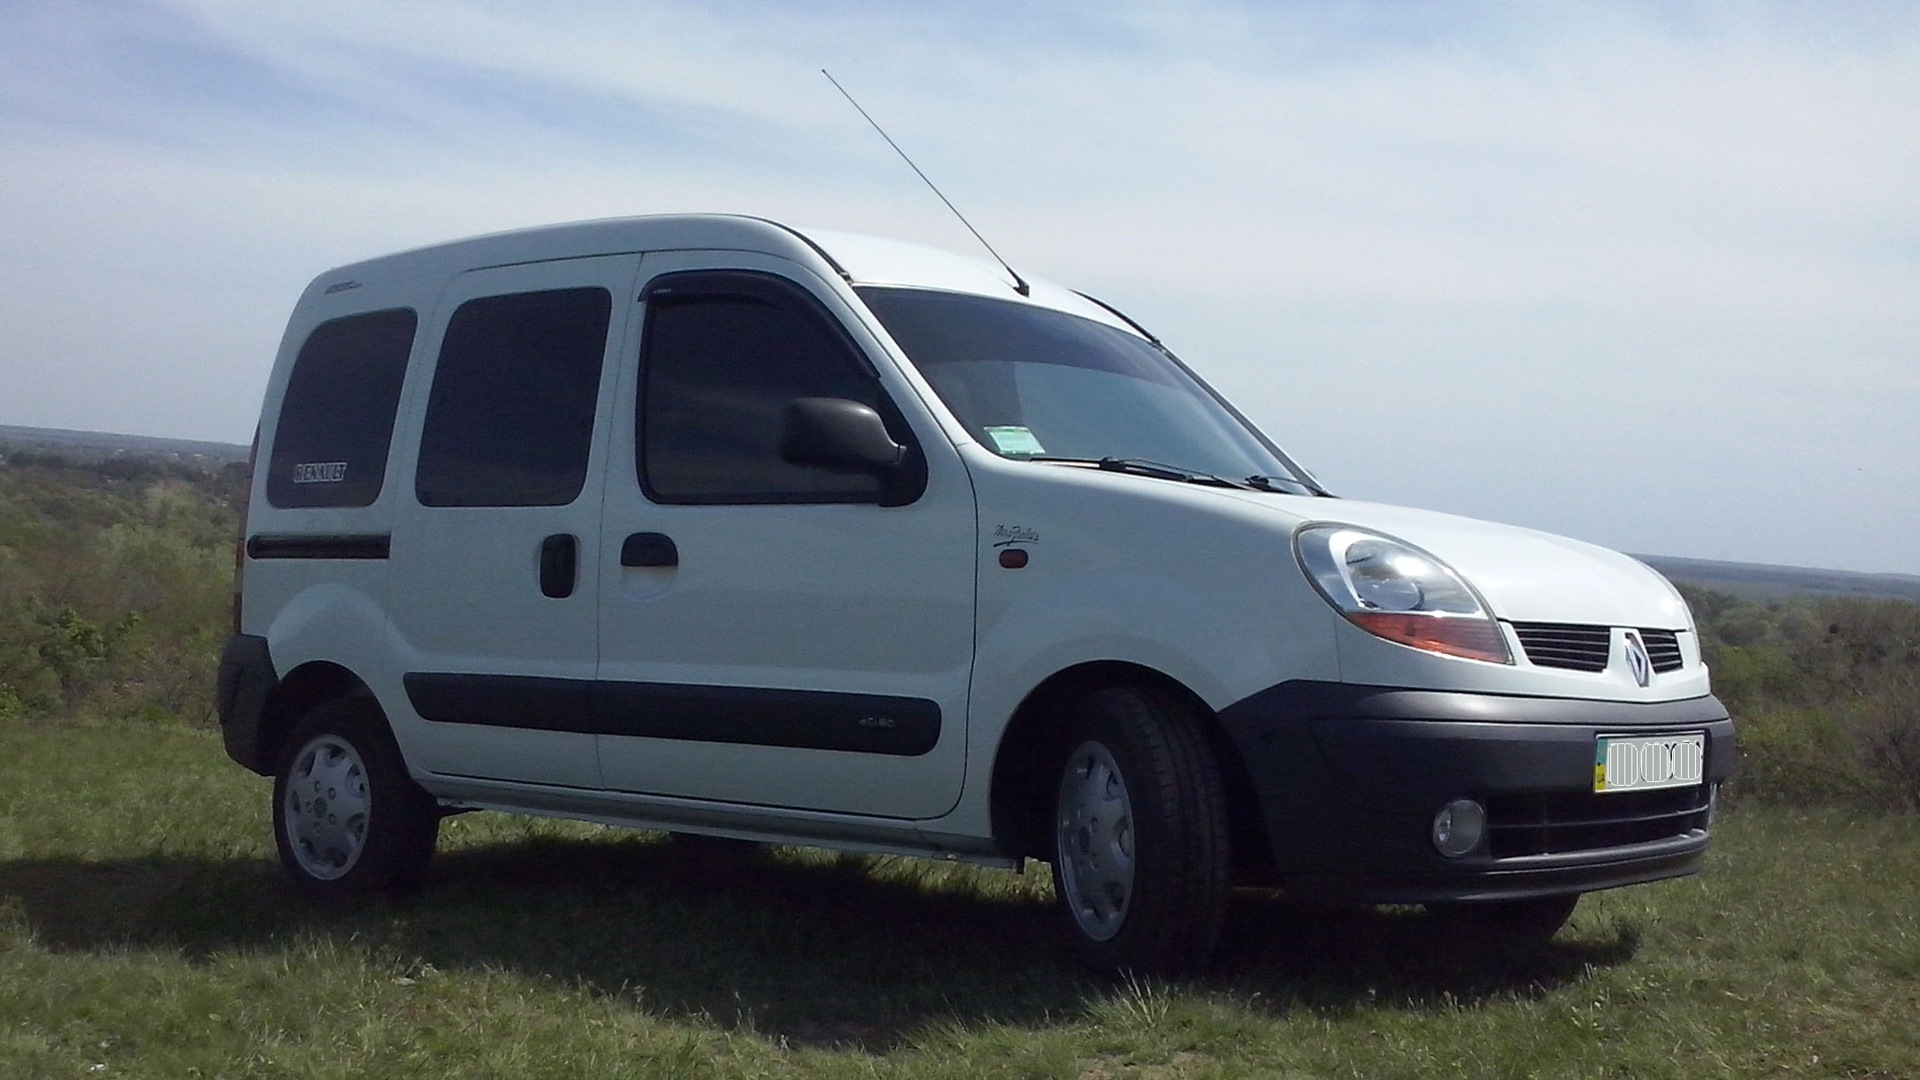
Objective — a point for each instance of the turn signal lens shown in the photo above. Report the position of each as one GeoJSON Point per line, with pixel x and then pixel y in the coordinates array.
{"type": "Point", "coordinates": [1475, 639]}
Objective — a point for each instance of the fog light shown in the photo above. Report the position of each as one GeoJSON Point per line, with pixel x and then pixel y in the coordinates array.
{"type": "Point", "coordinates": [1457, 828]}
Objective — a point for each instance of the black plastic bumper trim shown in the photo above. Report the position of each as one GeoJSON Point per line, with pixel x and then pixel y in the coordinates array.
{"type": "Point", "coordinates": [245, 681]}
{"type": "Point", "coordinates": [1348, 779]}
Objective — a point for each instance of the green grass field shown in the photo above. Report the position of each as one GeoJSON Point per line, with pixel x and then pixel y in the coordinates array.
{"type": "Point", "coordinates": [145, 931]}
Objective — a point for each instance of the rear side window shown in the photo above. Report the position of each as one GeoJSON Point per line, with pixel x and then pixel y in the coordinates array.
{"type": "Point", "coordinates": [510, 418]}
{"type": "Point", "coordinates": [724, 354]}
{"type": "Point", "coordinates": [336, 418]}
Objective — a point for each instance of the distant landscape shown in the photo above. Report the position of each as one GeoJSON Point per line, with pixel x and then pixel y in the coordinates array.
{"type": "Point", "coordinates": [1759, 581]}
{"type": "Point", "coordinates": [98, 445]}
{"type": "Point", "coordinates": [1753, 581]}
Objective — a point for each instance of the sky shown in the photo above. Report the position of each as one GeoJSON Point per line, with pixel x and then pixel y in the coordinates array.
{"type": "Point", "coordinates": [1647, 274]}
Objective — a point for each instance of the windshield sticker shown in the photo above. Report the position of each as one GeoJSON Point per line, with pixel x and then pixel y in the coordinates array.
{"type": "Point", "coordinates": [1014, 440]}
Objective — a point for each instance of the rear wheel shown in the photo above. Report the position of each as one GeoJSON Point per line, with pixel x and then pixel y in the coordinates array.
{"type": "Point", "coordinates": [346, 816]}
{"type": "Point", "coordinates": [1140, 843]}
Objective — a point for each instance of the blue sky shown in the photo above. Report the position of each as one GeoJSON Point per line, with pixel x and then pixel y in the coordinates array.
{"type": "Point", "coordinates": [1646, 274]}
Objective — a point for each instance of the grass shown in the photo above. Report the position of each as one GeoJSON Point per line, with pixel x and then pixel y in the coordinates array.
{"type": "Point", "coordinates": [146, 932]}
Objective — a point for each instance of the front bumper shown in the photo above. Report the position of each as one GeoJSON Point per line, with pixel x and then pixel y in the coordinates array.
{"type": "Point", "coordinates": [1347, 780]}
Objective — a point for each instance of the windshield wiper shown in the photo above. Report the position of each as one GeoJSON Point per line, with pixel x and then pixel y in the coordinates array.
{"type": "Point", "coordinates": [1156, 469]}
{"type": "Point", "coordinates": [1274, 484]}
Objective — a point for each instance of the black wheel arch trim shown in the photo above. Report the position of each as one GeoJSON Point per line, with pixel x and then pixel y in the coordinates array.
{"type": "Point", "coordinates": [257, 706]}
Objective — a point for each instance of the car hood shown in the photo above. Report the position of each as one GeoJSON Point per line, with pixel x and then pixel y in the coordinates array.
{"type": "Point", "coordinates": [1525, 575]}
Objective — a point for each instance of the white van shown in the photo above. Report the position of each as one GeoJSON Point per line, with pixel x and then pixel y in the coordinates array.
{"type": "Point", "coordinates": [712, 525]}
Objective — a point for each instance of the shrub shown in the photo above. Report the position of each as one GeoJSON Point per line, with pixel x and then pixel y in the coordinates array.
{"type": "Point", "coordinates": [1826, 694]}
{"type": "Point", "coordinates": [1800, 756]}
{"type": "Point", "coordinates": [115, 579]}
{"type": "Point", "coordinates": [1886, 732]}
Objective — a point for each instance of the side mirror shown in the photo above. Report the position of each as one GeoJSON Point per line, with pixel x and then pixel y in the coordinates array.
{"type": "Point", "coordinates": [835, 433]}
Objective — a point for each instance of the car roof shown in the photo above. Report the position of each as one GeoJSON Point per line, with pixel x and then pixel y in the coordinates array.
{"type": "Point", "coordinates": [854, 258]}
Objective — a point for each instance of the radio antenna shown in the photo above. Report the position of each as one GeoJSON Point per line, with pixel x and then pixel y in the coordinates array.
{"type": "Point", "coordinates": [1019, 283]}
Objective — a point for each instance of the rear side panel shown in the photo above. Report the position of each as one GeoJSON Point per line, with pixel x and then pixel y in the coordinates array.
{"type": "Point", "coordinates": [313, 561]}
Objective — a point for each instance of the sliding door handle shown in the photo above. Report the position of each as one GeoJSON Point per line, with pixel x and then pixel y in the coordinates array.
{"type": "Point", "coordinates": [559, 565]}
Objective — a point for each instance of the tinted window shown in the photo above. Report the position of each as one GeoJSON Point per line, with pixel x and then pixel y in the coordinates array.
{"type": "Point", "coordinates": [336, 419]}
{"type": "Point", "coordinates": [510, 418]}
{"type": "Point", "coordinates": [724, 354]}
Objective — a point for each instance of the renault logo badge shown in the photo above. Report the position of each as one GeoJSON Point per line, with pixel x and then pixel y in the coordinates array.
{"type": "Point", "coordinates": [1638, 661]}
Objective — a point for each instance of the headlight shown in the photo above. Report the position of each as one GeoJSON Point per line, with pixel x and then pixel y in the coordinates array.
{"type": "Point", "coordinates": [1391, 589]}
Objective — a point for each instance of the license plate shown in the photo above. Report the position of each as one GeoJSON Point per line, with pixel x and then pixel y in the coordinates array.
{"type": "Point", "coordinates": [1648, 762]}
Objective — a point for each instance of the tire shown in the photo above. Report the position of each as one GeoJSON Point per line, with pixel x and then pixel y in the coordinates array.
{"type": "Point", "coordinates": [1531, 921]}
{"type": "Point", "coordinates": [1141, 857]}
{"type": "Point", "coordinates": [347, 819]}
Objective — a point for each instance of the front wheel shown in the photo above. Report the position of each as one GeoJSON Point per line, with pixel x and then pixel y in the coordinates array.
{"type": "Point", "coordinates": [346, 816]}
{"type": "Point", "coordinates": [1140, 852]}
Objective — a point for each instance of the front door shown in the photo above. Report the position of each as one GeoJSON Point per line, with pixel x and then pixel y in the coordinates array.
{"type": "Point", "coordinates": [769, 633]}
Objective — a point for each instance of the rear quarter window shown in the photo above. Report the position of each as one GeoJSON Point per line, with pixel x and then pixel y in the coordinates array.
{"type": "Point", "coordinates": [336, 417]}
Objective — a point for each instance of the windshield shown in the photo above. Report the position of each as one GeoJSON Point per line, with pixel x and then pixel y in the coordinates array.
{"type": "Point", "coordinates": [1034, 383]}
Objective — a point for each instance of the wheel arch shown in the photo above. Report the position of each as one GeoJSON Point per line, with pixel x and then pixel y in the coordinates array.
{"type": "Point", "coordinates": [1022, 788]}
{"type": "Point", "coordinates": [304, 688]}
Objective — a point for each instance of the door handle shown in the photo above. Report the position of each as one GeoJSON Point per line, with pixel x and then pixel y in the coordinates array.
{"type": "Point", "coordinates": [649, 549]}
{"type": "Point", "coordinates": [559, 565]}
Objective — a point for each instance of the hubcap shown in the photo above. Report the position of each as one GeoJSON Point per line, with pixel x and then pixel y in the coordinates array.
{"type": "Point", "coordinates": [327, 807]}
{"type": "Point", "coordinates": [1094, 839]}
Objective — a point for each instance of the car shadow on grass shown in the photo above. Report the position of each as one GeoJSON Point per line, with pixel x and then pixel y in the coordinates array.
{"type": "Point", "coordinates": [813, 951]}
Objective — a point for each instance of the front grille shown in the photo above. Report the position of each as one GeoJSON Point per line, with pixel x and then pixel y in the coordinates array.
{"type": "Point", "coordinates": [1565, 645]}
{"type": "Point", "coordinates": [1562, 822]}
{"type": "Point", "coordinates": [1575, 647]}
{"type": "Point", "coordinates": [1663, 648]}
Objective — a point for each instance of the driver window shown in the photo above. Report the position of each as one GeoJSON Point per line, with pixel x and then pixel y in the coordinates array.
{"type": "Point", "coordinates": [722, 355]}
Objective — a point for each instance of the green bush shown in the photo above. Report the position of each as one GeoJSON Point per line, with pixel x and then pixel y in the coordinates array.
{"type": "Point", "coordinates": [1800, 756]}
{"type": "Point", "coordinates": [1826, 695]}
{"type": "Point", "coordinates": [1886, 731]}
{"type": "Point", "coordinates": [115, 583]}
